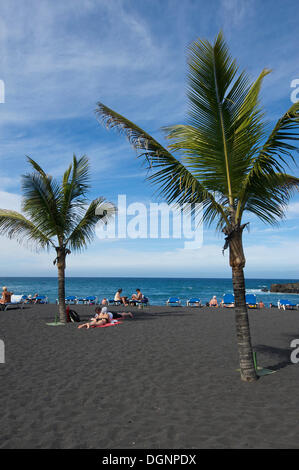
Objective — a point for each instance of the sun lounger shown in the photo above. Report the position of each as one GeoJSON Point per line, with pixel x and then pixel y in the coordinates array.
{"type": "Point", "coordinates": [89, 300]}
{"type": "Point", "coordinates": [251, 301]}
{"type": "Point", "coordinates": [16, 301]}
{"type": "Point", "coordinates": [114, 302]}
{"type": "Point", "coordinates": [70, 300]}
{"type": "Point", "coordinates": [144, 302]}
{"type": "Point", "coordinates": [173, 302]}
{"type": "Point", "coordinates": [286, 305]}
{"type": "Point", "coordinates": [41, 299]}
{"type": "Point", "coordinates": [228, 300]}
{"type": "Point", "coordinates": [194, 302]}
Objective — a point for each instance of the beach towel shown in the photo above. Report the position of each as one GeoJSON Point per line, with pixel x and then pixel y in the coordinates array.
{"type": "Point", "coordinates": [114, 322]}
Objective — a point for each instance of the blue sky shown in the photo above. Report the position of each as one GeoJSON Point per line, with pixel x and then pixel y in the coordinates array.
{"type": "Point", "coordinates": [59, 58]}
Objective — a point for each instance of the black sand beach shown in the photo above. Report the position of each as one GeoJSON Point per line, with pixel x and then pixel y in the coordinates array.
{"type": "Point", "coordinates": [166, 379]}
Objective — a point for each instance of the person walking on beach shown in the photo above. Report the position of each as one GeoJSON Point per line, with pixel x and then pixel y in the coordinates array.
{"type": "Point", "coordinates": [213, 302]}
{"type": "Point", "coordinates": [119, 298]}
{"type": "Point", "coordinates": [6, 296]}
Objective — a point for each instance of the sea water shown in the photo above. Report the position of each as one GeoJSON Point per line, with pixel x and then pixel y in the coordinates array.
{"type": "Point", "coordinates": [158, 290]}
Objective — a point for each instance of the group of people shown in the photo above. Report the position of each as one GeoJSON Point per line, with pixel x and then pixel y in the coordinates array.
{"type": "Point", "coordinates": [214, 303]}
{"type": "Point", "coordinates": [125, 300]}
{"type": "Point", "coordinates": [6, 297]}
{"type": "Point", "coordinates": [103, 317]}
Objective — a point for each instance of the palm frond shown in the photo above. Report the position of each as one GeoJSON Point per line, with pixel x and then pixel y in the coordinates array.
{"type": "Point", "coordinates": [41, 202]}
{"type": "Point", "coordinates": [84, 232]}
{"type": "Point", "coordinates": [272, 157]}
{"type": "Point", "coordinates": [175, 182]}
{"type": "Point", "coordinates": [15, 225]}
{"type": "Point", "coordinates": [75, 183]}
{"type": "Point", "coordinates": [269, 195]}
{"type": "Point", "coordinates": [225, 119]}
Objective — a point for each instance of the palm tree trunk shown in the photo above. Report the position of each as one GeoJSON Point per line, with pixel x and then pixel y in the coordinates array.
{"type": "Point", "coordinates": [61, 283]}
{"type": "Point", "coordinates": [237, 263]}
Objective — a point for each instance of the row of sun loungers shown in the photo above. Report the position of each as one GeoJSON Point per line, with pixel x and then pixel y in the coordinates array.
{"type": "Point", "coordinates": [229, 301]}
{"type": "Point", "coordinates": [93, 300]}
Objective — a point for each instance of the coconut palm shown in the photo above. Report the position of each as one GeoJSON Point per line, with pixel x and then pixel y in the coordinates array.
{"type": "Point", "coordinates": [56, 215]}
{"type": "Point", "coordinates": [226, 158]}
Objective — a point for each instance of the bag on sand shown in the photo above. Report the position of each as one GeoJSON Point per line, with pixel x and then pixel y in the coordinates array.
{"type": "Point", "coordinates": [74, 317]}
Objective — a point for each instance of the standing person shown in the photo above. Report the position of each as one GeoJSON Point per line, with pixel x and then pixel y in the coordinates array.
{"type": "Point", "coordinates": [119, 298]}
{"type": "Point", "coordinates": [261, 304]}
{"type": "Point", "coordinates": [6, 296]}
{"type": "Point", "coordinates": [213, 302]}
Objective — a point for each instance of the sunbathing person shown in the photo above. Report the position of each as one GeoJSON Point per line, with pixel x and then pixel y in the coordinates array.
{"type": "Point", "coordinates": [6, 296]}
{"type": "Point", "coordinates": [101, 318]}
{"type": "Point", "coordinates": [213, 302]}
{"type": "Point", "coordinates": [115, 315]}
{"type": "Point", "coordinates": [119, 298]}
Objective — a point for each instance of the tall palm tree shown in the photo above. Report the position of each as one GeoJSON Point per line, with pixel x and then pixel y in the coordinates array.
{"type": "Point", "coordinates": [226, 159]}
{"type": "Point", "coordinates": [56, 215]}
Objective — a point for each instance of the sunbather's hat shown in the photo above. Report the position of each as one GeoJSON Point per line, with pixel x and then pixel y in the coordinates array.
{"type": "Point", "coordinates": [104, 310]}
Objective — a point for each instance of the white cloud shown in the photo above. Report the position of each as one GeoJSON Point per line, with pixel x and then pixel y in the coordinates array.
{"type": "Point", "coordinates": [293, 210]}
{"type": "Point", "coordinates": [10, 201]}
{"type": "Point", "coordinates": [101, 259]}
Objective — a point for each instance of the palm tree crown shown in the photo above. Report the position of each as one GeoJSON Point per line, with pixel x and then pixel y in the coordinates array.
{"type": "Point", "coordinates": [56, 214]}
{"type": "Point", "coordinates": [225, 158]}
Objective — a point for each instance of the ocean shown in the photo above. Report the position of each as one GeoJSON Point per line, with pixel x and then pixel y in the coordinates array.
{"type": "Point", "coordinates": [158, 290]}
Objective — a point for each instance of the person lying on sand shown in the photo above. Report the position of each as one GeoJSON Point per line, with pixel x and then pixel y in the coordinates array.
{"type": "Point", "coordinates": [115, 315]}
{"type": "Point", "coordinates": [6, 296]}
{"type": "Point", "coordinates": [102, 318]}
{"type": "Point", "coordinates": [213, 302]}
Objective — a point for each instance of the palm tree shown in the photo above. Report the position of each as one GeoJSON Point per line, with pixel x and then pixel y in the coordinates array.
{"type": "Point", "coordinates": [226, 159]}
{"type": "Point", "coordinates": [56, 215]}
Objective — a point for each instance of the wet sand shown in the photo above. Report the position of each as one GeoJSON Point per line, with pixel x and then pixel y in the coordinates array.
{"type": "Point", "coordinates": [166, 379]}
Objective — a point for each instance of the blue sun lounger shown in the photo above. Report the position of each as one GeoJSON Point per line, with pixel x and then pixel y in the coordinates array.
{"type": "Point", "coordinates": [173, 302]}
{"type": "Point", "coordinates": [114, 302]}
{"type": "Point", "coordinates": [194, 302]}
{"type": "Point", "coordinates": [286, 305]}
{"type": "Point", "coordinates": [41, 299]}
{"type": "Point", "coordinates": [88, 300]}
{"type": "Point", "coordinates": [70, 300]}
{"type": "Point", "coordinates": [251, 301]}
{"type": "Point", "coordinates": [91, 300]}
{"type": "Point", "coordinates": [16, 301]}
{"type": "Point", "coordinates": [228, 300]}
